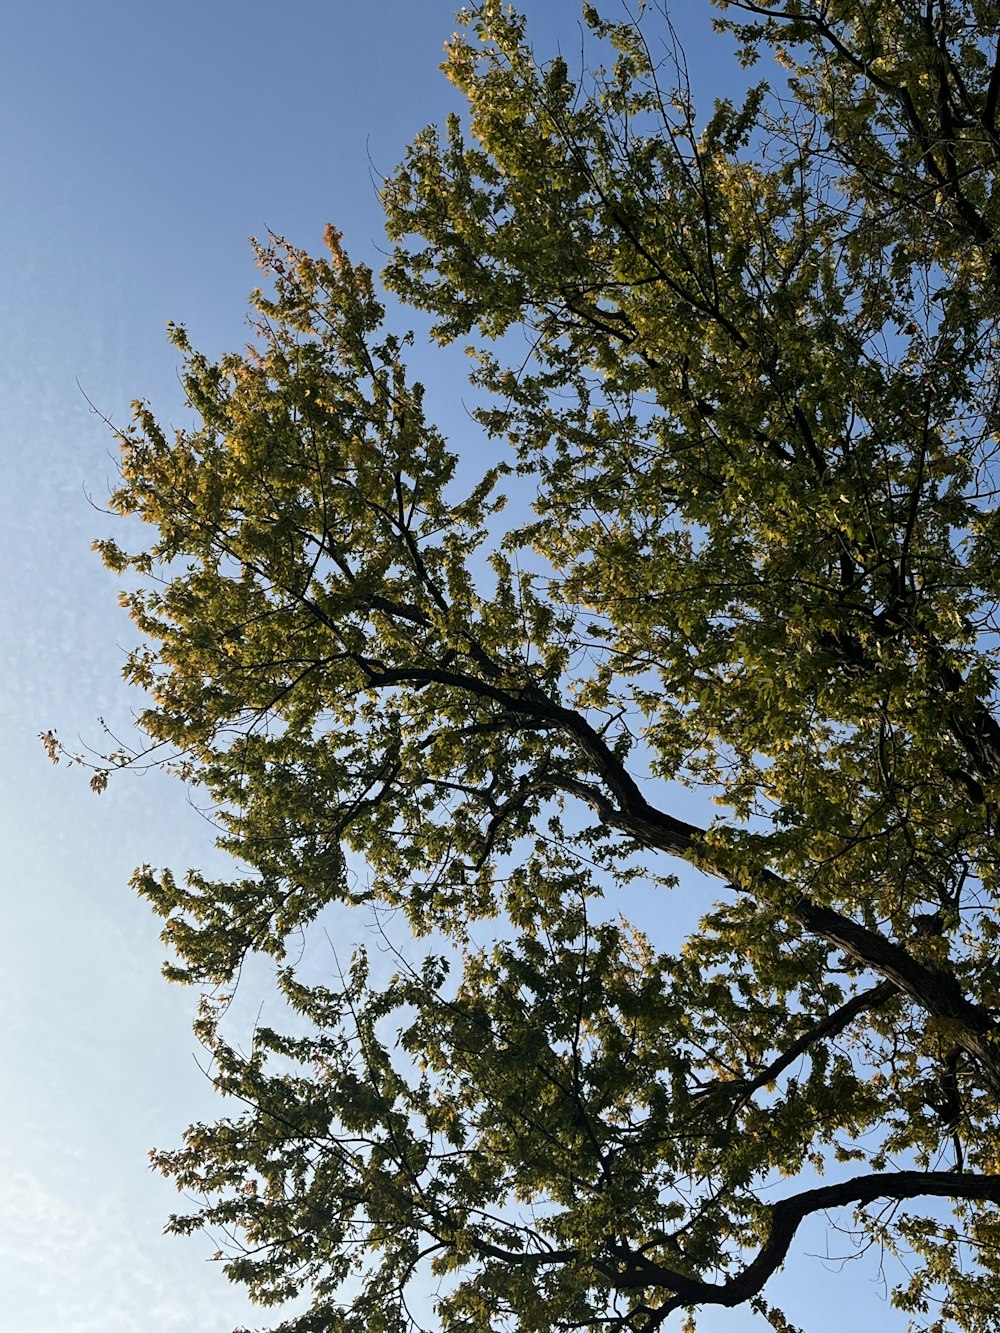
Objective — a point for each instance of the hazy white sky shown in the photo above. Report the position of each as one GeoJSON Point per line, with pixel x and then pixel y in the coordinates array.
{"type": "Point", "coordinates": [140, 145]}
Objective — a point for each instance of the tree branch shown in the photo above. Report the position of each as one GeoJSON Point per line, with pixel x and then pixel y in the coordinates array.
{"type": "Point", "coordinates": [641, 1272]}
{"type": "Point", "coordinates": [835, 1022]}
{"type": "Point", "coordinates": [937, 993]}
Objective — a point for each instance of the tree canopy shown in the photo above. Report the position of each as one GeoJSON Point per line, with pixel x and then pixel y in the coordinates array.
{"type": "Point", "coordinates": [730, 543]}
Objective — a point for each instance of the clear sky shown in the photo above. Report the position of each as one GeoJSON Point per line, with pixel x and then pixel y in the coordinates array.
{"type": "Point", "coordinates": [140, 145]}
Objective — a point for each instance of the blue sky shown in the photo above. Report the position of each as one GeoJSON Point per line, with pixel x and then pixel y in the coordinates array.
{"type": "Point", "coordinates": [141, 145]}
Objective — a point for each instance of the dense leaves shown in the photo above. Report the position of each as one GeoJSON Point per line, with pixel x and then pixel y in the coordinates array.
{"type": "Point", "coordinates": [737, 376]}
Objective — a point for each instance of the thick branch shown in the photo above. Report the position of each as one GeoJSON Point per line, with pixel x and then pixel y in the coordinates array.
{"type": "Point", "coordinates": [641, 1272]}
{"type": "Point", "coordinates": [742, 1089]}
{"type": "Point", "coordinates": [936, 992]}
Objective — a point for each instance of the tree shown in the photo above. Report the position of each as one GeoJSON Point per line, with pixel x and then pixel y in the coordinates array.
{"type": "Point", "coordinates": [756, 416]}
